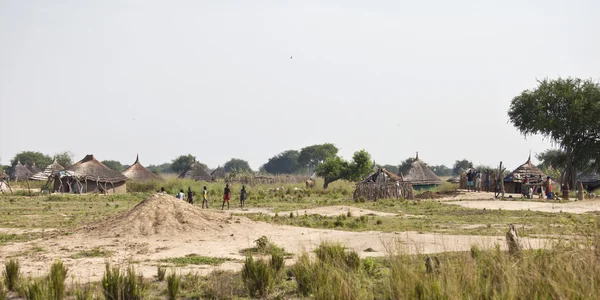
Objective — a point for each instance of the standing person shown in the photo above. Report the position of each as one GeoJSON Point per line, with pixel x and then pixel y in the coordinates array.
{"type": "Point", "coordinates": [204, 197]}
{"type": "Point", "coordinates": [181, 195]}
{"type": "Point", "coordinates": [190, 196]}
{"type": "Point", "coordinates": [549, 193]}
{"type": "Point", "coordinates": [242, 196]}
{"type": "Point", "coordinates": [488, 180]}
{"type": "Point", "coordinates": [540, 189]}
{"type": "Point", "coordinates": [478, 181]}
{"type": "Point", "coordinates": [469, 181]}
{"type": "Point", "coordinates": [226, 196]}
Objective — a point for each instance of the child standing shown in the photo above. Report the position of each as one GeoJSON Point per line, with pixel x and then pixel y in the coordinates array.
{"type": "Point", "coordinates": [226, 196]}
{"type": "Point", "coordinates": [181, 195]}
{"type": "Point", "coordinates": [242, 196]}
{"type": "Point", "coordinates": [190, 196]}
{"type": "Point", "coordinates": [204, 197]}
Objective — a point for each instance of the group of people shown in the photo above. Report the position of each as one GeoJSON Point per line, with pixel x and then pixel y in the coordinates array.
{"type": "Point", "coordinates": [477, 176]}
{"type": "Point", "coordinates": [226, 196]}
{"type": "Point", "coordinates": [543, 188]}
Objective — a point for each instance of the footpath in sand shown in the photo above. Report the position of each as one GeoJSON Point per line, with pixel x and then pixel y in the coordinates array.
{"type": "Point", "coordinates": [327, 211]}
{"type": "Point", "coordinates": [164, 227]}
{"type": "Point", "coordinates": [578, 207]}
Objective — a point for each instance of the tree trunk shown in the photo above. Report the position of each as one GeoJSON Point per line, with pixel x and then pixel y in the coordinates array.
{"type": "Point", "coordinates": [327, 182]}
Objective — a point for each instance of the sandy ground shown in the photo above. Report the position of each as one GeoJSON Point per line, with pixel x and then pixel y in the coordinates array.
{"type": "Point", "coordinates": [578, 207]}
{"type": "Point", "coordinates": [329, 211]}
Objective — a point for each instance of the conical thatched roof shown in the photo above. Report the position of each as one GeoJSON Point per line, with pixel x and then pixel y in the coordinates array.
{"type": "Point", "coordinates": [20, 172]}
{"type": "Point", "coordinates": [382, 175]}
{"type": "Point", "coordinates": [48, 171]}
{"type": "Point", "coordinates": [33, 169]}
{"type": "Point", "coordinates": [92, 169]}
{"type": "Point", "coordinates": [528, 169]}
{"type": "Point", "coordinates": [138, 172]}
{"type": "Point", "coordinates": [420, 174]}
{"type": "Point", "coordinates": [195, 171]}
{"type": "Point", "coordinates": [219, 172]}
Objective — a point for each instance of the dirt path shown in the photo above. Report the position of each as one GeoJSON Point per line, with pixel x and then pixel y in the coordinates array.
{"type": "Point", "coordinates": [578, 207]}
{"type": "Point", "coordinates": [329, 211]}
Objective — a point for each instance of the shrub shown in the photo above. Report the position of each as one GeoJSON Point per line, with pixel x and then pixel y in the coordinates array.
{"type": "Point", "coordinates": [56, 280]}
{"type": "Point", "coordinates": [277, 262]}
{"type": "Point", "coordinates": [160, 273]}
{"type": "Point", "coordinates": [12, 274]}
{"type": "Point", "coordinates": [379, 222]}
{"type": "Point", "coordinates": [37, 290]}
{"type": "Point", "coordinates": [84, 292]}
{"type": "Point", "coordinates": [112, 283]}
{"type": "Point", "coordinates": [257, 276]}
{"type": "Point", "coordinates": [173, 285]}
{"type": "Point", "coordinates": [2, 291]}
{"type": "Point", "coordinates": [133, 285]}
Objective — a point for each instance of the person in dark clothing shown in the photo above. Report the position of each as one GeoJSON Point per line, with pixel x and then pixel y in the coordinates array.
{"type": "Point", "coordinates": [162, 190]}
{"type": "Point", "coordinates": [242, 196]}
{"type": "Point", "coordinates": [190, 196]}
{"type": "Point", "coordinates": [470, 181]}
{"type": "Point", "coordinates": [226, 196]}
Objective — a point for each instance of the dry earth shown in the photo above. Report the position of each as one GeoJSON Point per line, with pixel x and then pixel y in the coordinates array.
{"type": "Point", "coordinates": [578, 207]}
{"type": "Point", "coordinates": [329, 211]}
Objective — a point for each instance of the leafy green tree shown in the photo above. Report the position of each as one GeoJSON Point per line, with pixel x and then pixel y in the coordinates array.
{"type": "Point", "coordinates": [29, 157]}
{"type": "Point", "coordinates": [564, 110]}
{"type": "Point", "coordinates": [64, 158]}
{"type": "Point", "coordinates": [441, 170]}
{"type": "Point", "coordinates": [391, 168]}
{"type": "Point", "coordinates": [313, 155]}
{"type": "Point", "coordinates": [285, 162]}
{"type": "Point", "coordinates": [461, 165]}
{"type": "Point", "coordinates": [114, 165]}
{"type": "Point", "coordinates": [160, 169]}
{"type": "Point", "coordinates": [405, 165]}
{"type": "Point", "coordinates": [336, 168]}
{"type": "Point", "coordinates": [182, 162]}
{"type": "Point", "coordinates": [238, 165]}
{"type": "Point", "coordinates": [555, 158]}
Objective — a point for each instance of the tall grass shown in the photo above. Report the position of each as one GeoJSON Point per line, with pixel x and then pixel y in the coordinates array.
{"type": "Point", "coordinates": [161, 271]}
{"type": "Point", "coordinates": [56, 280]}
{"type": "Point", "coordinates": [258, 277]}
{"type": "Point", "coordinates": [12, 274]}
{"type": "Point", "coordinates": [122, 286]}
{"type": "Point", "coordinates": [3, 293]}
{"type": "Point", "coordinates": [37, 290]}
{"type": "Point", "coordinates": [173, 285]}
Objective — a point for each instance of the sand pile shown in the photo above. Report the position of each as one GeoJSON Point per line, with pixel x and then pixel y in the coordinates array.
{"type": "Point", "coordinates": [160, 215]}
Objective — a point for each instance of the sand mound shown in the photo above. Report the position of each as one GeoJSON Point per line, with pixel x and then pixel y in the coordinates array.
{"type": "Point", "coordinates": [160, 215]}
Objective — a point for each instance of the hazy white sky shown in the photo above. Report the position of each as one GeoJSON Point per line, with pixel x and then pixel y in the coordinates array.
{"type": "Point", "coordinates": [215, 78]}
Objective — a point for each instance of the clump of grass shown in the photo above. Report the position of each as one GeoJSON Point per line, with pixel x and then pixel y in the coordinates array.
{"type": "Point", "coordinates": [277, 262]}
{"type": "Point", "coordinates": [112, 282]}
{"type": "Point", "coordinates": [194, 259]}
{"type": "Point", "coordinates": [84, 292]}
{"type": "Point", "coordinates": [12, 274]}
{"type": "Point", "coordinates": [37, 290]}
{"type": "Point", "coordinates": [264, 247]}
{"type": "Point", "coordinates": [2, 291]}
{"type": "Point", "coordinates": [94, 252]}
{"type": "Point", "coordinates": [56, 280]}
{"type": "Point", "coordinates": [173, 285]}
{"type": "Point", "coordinates": [161, 271]}
{"type": "Point", "coordinates": [133, 285]}
{"type": "Point", "coordinates": [258, 277]}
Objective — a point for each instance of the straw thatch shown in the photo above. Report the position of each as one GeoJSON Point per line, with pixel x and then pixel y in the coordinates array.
{"type": "Point", "coordinates": [137, 172]}
{"type": "Point", "coordinates": [48, 171]}
{"type": "Point", "coordinates": [33, 169]}
{"type": "Point", "coordinates": [420, 175]}
{"type": "Point", "coordinates": [196, 172]}
{"type": "Point", "coordinates": [20, 172]}
{"type": "Point", "coordinates": [590, 181]}
{"type": "Point", "coordinates": [513, 182]}
{"type": "Point", "coordinates": [383, 185]}
{"type": "Point", "coordinates": [89, 176]}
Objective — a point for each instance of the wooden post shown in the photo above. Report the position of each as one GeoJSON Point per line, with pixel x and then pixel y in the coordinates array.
{"type": "Point", "coordinates": [580, 191]}
{"type": "Point", "coordinates": [27, 179]}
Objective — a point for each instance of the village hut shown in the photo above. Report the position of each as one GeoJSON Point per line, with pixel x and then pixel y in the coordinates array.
{"type": "Point", "coordinates": [89, 176]}
{"type": "Point", "coordinates": [19, 172]}
{"type": "Point", "coordinates": [218, 173]}
{"type": "Point", "coordinates": [590, 181]}
{"type": "Point", "coordinates": [33, 169]}
{"type": "Point", "coordinates": [48, 171]}
{"type": "Point", "coordinates": [383, 185]}
{"type": "Point", "coordinates": [196, 172]}
{"type": "Point", "coordinates": [137, 172]}
{"type": "Point", "coordinates": [525, 173]}
{"type": "Point", "coordinates": [420, 176]}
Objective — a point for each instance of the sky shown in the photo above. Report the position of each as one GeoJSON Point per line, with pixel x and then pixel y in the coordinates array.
{"type": "Point", "coordinates": [250, 79]}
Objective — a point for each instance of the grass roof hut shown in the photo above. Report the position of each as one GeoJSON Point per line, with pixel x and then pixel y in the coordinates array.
{"type": "Point", "coordinates": [33, 168]}
{"type": "Point", "coordinates": [218, 173]}
{"type": "Point", "coordinates": [383, 185]}
{"type": "Point", "coordinates": [19, 172]}
{"type": "Point", "coordinates": [420, 176]}
{"type": "Point", "coordinates": [513, 182]}
{"type": "Point", "coordinates": [196, 172]}
{"type": "Point", "coordinates": [89, 176]}
{"type": "Point", "coordinates": [137, 172]}
{"type": "Point", "coordinates": [48, 171]}
{"type": "Point", "coordinates": [590, 181]}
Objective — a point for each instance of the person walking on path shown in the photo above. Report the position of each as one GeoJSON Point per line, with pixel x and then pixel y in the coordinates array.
{"type": "Point", "coordinates": [181, 195]}
{"type": "Point", "coordinates": [488, 181]}
{"type": "Point", "coordinates": [204, 197]}
{"type": "Point", "coordinates": [226, 196]}
{"type": "Point", "coordinates": [190, 196]}
{"type": "Point", "coordinates": [242, 196]}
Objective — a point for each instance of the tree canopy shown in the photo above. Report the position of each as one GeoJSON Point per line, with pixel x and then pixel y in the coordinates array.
{"type": "Point", "coordinates": [391, 168]}
{"type": "Point", "coordinates": [336, 168]}
{"type": "Point", "coordinates": [114, 165]}
{"type": "Point", "coordinates": [441, 170]}
{"type": "Point", "coordinates": [285, 162]}
{"type": "Point", "coordinates": [460, 165]}
{"type": "Point", "coordinates": [564, 110]}
{"type": "Point", "coordinates": [313, 155]}
{"type": "Point", "coordinates": [182, 162]}
{"type": "Point", "coordinates": [29, 157]}
{"type": "Point", "coordinates": [64, 158]}
{"type": "Point", "coordinates": [405, 165]}
{"type": "Point", "coordinates": [238, 165]}
{"type": "Point", "coordinates": [159, 169]}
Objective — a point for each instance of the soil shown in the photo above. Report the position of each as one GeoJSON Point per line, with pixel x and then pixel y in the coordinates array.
{"type": "Point", "coordinates": [329, 211]}
{"type": "Point", "coordinates": [579, 207]}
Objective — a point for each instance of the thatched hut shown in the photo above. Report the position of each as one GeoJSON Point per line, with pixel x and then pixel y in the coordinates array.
{"type": "Point", "coordinates": [137, 172]}
{"type": "Point", "coordinates": [420, 176]}
{"type": "Point", "coordinates": [527, 172]}
{"type": "Point", "coordinates": [33, 169]}
{"type": "Point", "coordinates": [196, 172]}
{"type": "Point", "coordinates": [89, 176]}
{"type": "Point", "coordinates": [383, 185]}
{"type": "Point", "coordinates": [19, 172]}
{"type": "Point", "coordinates": [48, 171]}
{"type": "Point", "coordinates": [590, 181]}
{"type": "Point", "coordinates": [218, 173]}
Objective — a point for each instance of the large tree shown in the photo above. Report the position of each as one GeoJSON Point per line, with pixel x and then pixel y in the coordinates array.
{"type": "Point", "coordinates": [336, 168]}
{"type": "Point", "coordinates": [405, 165]}
{"type": "Point", "coordinates": [441, 170]}
{"type": "Point", "coordinates": [461, 165]}
{"type": "Point", "coordinates": [564, 110]}
{"type": "Point", "coordinates": [64, 158]}
{"type": "Point", "coordinates": [313, 155]}
{"type": "Point", "coordinates": [29, 157]}
{"type": "Point", "coordinates": [114, 165]}
{"type": "Point", "coordinates": [285, 162]}
{"type": "Point", "coordinates": [159, 169]}
{"type": "Point", "coordinates": [238, 165]}
{"type": "Point", "coordinates": [182, 162]}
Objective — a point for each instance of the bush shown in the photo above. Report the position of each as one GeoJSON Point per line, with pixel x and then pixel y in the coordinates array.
{"type": "Point", "coordinates": [12, 274]}
{"type": "Point", "coordinates": [56, 280]}
{"type": "Point", "coordinates": [258, 277]}
{"type": "Point", "coordinates": [112, 283]}
{"type": "Point", "coordinates": [84, 292]}
{"type": "Point", "coordinates": [133, 285]}
{"type": "Point", "coordinates": [277, 262]}
{"type": "Point", "coordinates": [2, 291]}
{"type": "Point", "coordinates": [173, 285]}
{"type": "Point", "coordinates": [37, 290]}
{"type": "Point", "coordinates": [160, 273]}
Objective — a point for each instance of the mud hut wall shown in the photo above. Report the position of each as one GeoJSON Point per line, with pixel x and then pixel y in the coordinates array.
{"type": "Point", "coordinates": [373, 191]}
{"type": "Point", "coordinates": [69, 185]}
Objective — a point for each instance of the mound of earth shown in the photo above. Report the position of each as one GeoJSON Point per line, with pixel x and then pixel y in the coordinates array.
{"type": "Point", "coordinates": [160, 215]}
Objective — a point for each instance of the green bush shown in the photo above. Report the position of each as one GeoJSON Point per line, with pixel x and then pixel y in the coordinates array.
{"type": "Point", "coordinates": [133, 285]}
{"type": "Point", "coordinates": [84, 292]}
{"type": "Point", "coordinates": [160, 273]}
{"type": "Point", "coordinates": [37, 290]}
{"type": "Point", "coordinates": [2, 291]}
{"type": "Point", "coordinates": [56, 280]}
{"type": "Point", "coordinates": [277, 262]}
{"type": "Point", "coordinates": [173, 285]}
{"type": "Point", "coordinates": [112, 283]}
{"type": "Point", "coordinates": [12, 274]}
{"type": "Point", "coordinates": [258, 277]}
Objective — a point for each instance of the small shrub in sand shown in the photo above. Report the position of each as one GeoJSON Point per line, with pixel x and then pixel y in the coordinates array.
{"type": "Point", "coordinates": [122, 286]}
{"type": "Point", "coordinates": [12, 274]}
{"type": "Point", "coordinates": [2, 291]}
{"type": "Point", "coordinates": [161, 271]}
{"type": "Point", "coordinates": [84, 292]}
{"type": "Point", "coordinates": [258, 277]}
{"type": "Point", "coordinates": [173, 285]}
{"type": "Point", "coordinates": [56, 280]}
{"type": "Point", "coordinates": [37, 290]}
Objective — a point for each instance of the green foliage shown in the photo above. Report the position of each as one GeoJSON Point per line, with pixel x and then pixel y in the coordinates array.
{"type": "Point", "coordinates": [94, 252]}
{"type": "Point", "coordinates": [12, 274]}
{"type": "Point", "coordinates": [405, 165]}
{"type": "Point", "coordinates": [258, 277]}
{"type": "Point", "coordinates": [56, 280]}
{"type": "Point", "coordinates": [238, 165]}
{"type": "Point", "coordinates": [461, 165]}
{"type": "Point", "coordinates": [3, 293]}
{"type": "Point", "coordinates": [112, 283]}
{"type": "Point", "coordinates": [133, 285]}
{"type": "Point", "coordinates": [313, 155]}
{"type": "Point", "coordinates": [283, 163]}
{"type": "Point", "coordinates": [160, 169]}
{"type": "Point", "coordinates": [37, 290]}
{"type": "Point", "coordinates": [441, 170]}
{"type": "Point", "coordinates": [161, 271]}
{"type": "Point", "coordinates": [173, 285]}
{"type": "Point", "coordinates": [193, 259]}
{"type": "Point", "coordinates": [119, 286]}
{"type": "Point", "coordinates": [336, 168]}
{"type": "Point", "coordinates": [84, 292]}
{"type": "Point", "coordinates": [29, 157]}
{"type": "Point", "coordinates": [181, 163]}
{"type": "Point", "coordinates": [391, 168]}
{"type": "Point", "coordinates": [114, 165]}
{"type": "Point", "coordinates": [64, 158]}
